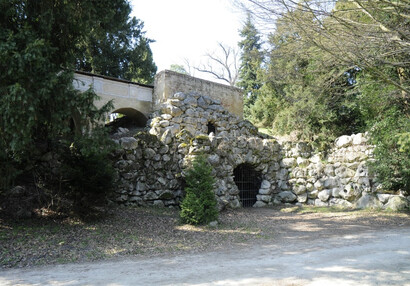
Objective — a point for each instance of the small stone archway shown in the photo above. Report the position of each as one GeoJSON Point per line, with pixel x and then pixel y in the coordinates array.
{"type": "Point", "coordinates": [211, 128]}
{"type": "Point", "coordinates": [75, 123]}
{"type": "Point", "coordinates": [248, 180]}
{"type": "Point", "coordinates": [129, 118]}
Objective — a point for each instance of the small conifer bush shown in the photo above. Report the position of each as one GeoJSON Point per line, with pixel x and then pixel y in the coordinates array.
{"type": "Point", "coordinates": [199, 205]}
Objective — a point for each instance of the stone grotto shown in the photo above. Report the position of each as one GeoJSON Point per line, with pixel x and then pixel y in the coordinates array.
{"type": "Point", "coordinates": [251, 169]}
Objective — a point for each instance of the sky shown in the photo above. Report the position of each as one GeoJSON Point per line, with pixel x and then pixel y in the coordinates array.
{"type": "Point", "coordinates": [188, 29]}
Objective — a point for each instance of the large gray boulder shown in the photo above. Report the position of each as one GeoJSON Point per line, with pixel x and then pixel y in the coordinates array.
{"type": "Point", "coordinates": [397, 203]}
{"type": "Point", "coordinates": [129, 143]}
{"type": "Point", "coordinates": [287, 197]}
{"type": "Point", "coordinates": [368, 201]}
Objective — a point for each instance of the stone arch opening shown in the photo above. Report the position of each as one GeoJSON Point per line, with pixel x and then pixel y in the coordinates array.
{"type": "Point", "coordinates": [75, 123]}
{"type": "Point", "coordinates": [127, 118]}
{"type": "Point", "coordinates": [211, 128]}
{"type": "Point", "coordinates": [72, 126]}
{"type": "Point", "coordinates": [248, 180]}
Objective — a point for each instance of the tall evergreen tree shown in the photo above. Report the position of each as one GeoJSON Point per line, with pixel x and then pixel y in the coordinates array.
{"type": "Point", "coordinates": [40, 42]}
{"type": "Point", "coordinates": [37, 44]}
{"type": "Point", "coordinates": [251, 61]}
{"type": "Point", "coordinates": [116, 46]}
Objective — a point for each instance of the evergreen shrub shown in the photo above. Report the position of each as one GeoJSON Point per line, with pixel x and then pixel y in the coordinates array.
{"type": "Point", "coordinates": [89, 172]}
{"type": "Point", "coordinates": [199, 205]}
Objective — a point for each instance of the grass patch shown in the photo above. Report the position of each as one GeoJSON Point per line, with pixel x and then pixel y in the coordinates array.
{"type": "Point", "coordinates": [265, 130]}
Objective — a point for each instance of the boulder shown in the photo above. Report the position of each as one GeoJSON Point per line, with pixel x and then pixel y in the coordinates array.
{"type": "Point", "coordinates": [191, 101]}
{"type": "Point", "coordinates": [368, 201]}
{"type": "Point", "coordinates": [158, 203]}
{"type": "Point", "coordinates": [302, 198]}
{"type": "Point", "coordinates": [362, 170]}
{"type": "Point", "coordinates": [235, 204]}
{"type": "Point", "coordinates": [339, 202]}
{"type": "Point", "coordinates": [180, 96]}
{"type": "Point", "coordinates": [320, 203]}
{"type": "Point", "coordinates": [329, 170]}
{"type": "Point", "coordinates": [397, 203]}
{"type": "Point", "coordinates": [302, 161]}
{"type": "Point", "coordinates": [288, 162]}
{"type": "Point", "coordinates": [264, 198]}
{"type": "Point", "coordinates": [259, 204]}
{"type": "Point", "coordinates": [299, 189]}
{"type": "Point", "coordinates": [318, 185]}
{"type": "Point", "coordinates": [164, 123]}
{"type": "Point", "coordinates": [324, 195]}
{"type": "Point", "coordinates": [213, 223]}
{"type": "Point", "coordinates": [359, 139]}
{"type": "Point", "coordinates": [384, 198]}
{"type": "Point", "coordinates": [213, 159]}
{"type": "Point", "coordinates": [313, 194]}
{"type": "Point", "coordinates": [202, 103]}
{"type": "Point", "coordinates": [129, 143]}
{"type": "Point", "coordinates": [350, 192]}
{"type": "Point", "coordinates": [166, 116]}
{"type": "Point", "coordinates": [330, 183]}
{"type": "Point", "coordinates": [286, 197]}
{"type": "Point", "coordinates": [343, 141]}
{"type": "Point", "coordinates": [265, 184]}
{"type": "Point", "coordinates": [172, 110]}
{"type": "Point", "coordinates": [166, 138]}
{"type": "Point", "coordinates": [265, 191]}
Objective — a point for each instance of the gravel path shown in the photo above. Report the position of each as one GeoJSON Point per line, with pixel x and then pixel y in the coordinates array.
{"type": "Point", "coordinates": [142, 233]}
{"type": "Point", "coordinates": [373, 257]}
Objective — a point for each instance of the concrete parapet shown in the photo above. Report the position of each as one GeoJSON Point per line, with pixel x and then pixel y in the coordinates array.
{"type": "Point", "coordinates": [167, 83]}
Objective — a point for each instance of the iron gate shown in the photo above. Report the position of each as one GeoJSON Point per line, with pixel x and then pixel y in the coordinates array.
{"type": "Point", "coordinates": [248, 182]}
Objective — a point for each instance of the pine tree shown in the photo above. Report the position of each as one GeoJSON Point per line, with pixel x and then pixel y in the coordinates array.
{"type": "Point", "coordinates": [199, 204]}
{"type": "Point", "coordinates": [251, 61]}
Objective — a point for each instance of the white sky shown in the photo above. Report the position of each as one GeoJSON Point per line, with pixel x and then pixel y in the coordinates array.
{"type": "Point", "coordinates": [188, 29]}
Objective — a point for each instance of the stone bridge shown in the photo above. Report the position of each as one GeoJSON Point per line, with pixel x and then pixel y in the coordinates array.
{"type": "Point", "coordinates": [137, 100]}
{"type": "Point", "coordinates": [129, 98]}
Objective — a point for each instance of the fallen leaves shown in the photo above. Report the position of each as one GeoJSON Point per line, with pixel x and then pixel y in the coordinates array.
{"type": "Point", "coordinates": [144, 231]}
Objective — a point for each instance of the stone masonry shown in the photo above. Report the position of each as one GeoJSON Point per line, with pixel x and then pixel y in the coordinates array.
{"type": "Point", "coordinates": [151, 164]}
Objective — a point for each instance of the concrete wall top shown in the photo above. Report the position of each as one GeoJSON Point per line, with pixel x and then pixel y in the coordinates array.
{"type": "Point", "coordinates": [167, 83]}
{"type": "Point", "coordinates": [126, 94]}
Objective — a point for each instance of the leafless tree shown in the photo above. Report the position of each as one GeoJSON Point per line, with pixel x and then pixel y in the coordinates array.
{"type": "Point", "coordinates": [370, 34]}
{"type": "Point", "coordinates": [223, 64]}
{"type": "Point", "coordinates": [189, 67]}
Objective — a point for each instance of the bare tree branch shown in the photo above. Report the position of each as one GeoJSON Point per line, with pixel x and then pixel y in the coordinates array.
{"type": "Point", "coordinates": [356, 32]}
{"type": "Point", "coordinates": [222, 64]}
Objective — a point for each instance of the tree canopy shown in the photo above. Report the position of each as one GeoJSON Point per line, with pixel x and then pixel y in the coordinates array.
{"type": "Point", "coordinates": [251, 60]}
{"type": "Point", "coordinates": [338, 67]}
{"type": "Point", "coordinates": [116, 46]}
{"type": "Point", "coordinates": [41, 44]}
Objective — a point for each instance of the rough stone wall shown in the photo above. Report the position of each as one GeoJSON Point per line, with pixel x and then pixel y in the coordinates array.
{"type": "Point", "coordinates": [151, 164]}
{"type": "Point", "coordinates": [340, 178]}
{"type": "Point", "coordinates": [148, 173]}
{"type": "Point", "coordinates": [167, 83]}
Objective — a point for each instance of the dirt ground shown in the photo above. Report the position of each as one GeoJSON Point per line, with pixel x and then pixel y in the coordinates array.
{"type": "Point", "coordinates": [376, 257]}
{"type": "Point", "coordinates": [269, 246]}
{"type": "Point", "coordinates": [144, 232]}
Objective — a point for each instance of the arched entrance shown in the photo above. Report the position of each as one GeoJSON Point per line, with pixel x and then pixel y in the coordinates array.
{"type": "Point", "coordinates": [248, 181]}
{"type": "Point", "coordinates": [211, 128]}
{"type": "Point", "coordinates": [127, 118]}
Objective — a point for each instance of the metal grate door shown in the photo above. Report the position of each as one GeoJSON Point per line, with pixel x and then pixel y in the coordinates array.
{"type": "Point", "coordinates": [248, 182]}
